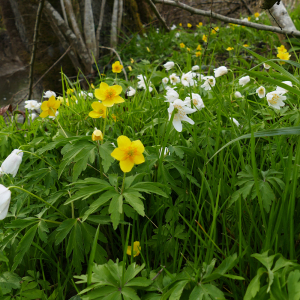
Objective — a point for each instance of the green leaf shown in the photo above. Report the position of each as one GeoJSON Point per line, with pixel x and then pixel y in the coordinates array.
{"type": "Point", "coordinates": [115, 210]}
{"type": "Point", "coordinates": [92, 256]}
{"type": "Point", "coordinates": [130, 293]}
{"type": "Point", "coordinates": [105, 151]}
{"type": "Point", "coordinates": [266, 260]}
{"type": "Point", "coordinates": [42, 229]}
{"type": "Point", "coordinates": [177, 291]}
{"type": "Point", "coordinates": [63, 230]}
{"type": "Point", "coordinates": [254, 285]}
{"type": "Point", "coordinates": [149, 187]}
{"type": "Point", "coordinates": [24, 245]}
{"type": "Point", "coordinates": [293, 285]}
{"type": "Point", "coordinates": [267, 195]}
{"type": "Point", "coordinates": [9, 281]}
{"type": "Point", "coordinates": [135, 202]}
{"type": "Point", "coordinates": [139, 281]}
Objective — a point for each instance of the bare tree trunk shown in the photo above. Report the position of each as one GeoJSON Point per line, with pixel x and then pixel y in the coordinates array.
{"type": "Point", "coordinates": [89, 29]}
{"type": "Point", "coordinates": [64, 11]}
{"type": "Point", "coordinates": [100, 25]}
{"type": "Point", "coordinates": [114, 25]}
{"type": "Point", "coordinates": [120, 15]}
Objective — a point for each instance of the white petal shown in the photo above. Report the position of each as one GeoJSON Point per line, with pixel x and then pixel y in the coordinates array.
{"type": "Point", "coordinates": [177, 125]}
{"type": "Point", "coordinates": [187, 119]}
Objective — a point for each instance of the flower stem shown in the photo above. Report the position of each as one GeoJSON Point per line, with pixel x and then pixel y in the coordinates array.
{"type": "Point", "coordinates": [16, 187]}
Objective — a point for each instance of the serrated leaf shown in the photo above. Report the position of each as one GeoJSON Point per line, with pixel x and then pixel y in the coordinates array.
{"type": "Point", "coordinates": [135, 202]}
{"type": "Point", "coordinates": [42, 231]}
{"type": "Point", "coordinates": [105, 151]}
{"type": "Point", "coordinates": [9, 281]}
{"type": "Point", "coordinates": [293, 285]}
{"type": "Point", "coordinates": [115, 210]}
{"type": "Point", "coordinates": [63, 230]}
{"type": "Point", "coordinates": [149, 187]}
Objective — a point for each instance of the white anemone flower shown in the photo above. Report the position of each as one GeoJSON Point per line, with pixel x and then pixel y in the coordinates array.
{"type": "Point", "coordinates": [169, 65]}
{"type": "Point", "coordinates": [197, 101]}
{"type": "Point", "coordinates": [275, 99]}
{"type": "Point", "coordinates": [237, 94]}
{"type": "Point", "coordinates": [177, 35]}
{"type": "Point", "coordinates": [283, 90]}
{"type": "Point", "coordinates": [187, 79]}
{"type": "Point", "coordinates": [171, 95]}
{"type": "Point", "coordinates": [174, 79]}
{"type": "Point", "coordinates": [166, 151]}
{"type": "Point", "coordinates": [173, 27]}
{"type": "Point", "coordinates": [1, 172]}
{"type": "Point", "coordinates": [131, 91]}
{"type": "Point", "coordinates": [32, 105]}
{"type": "Point", "coordinates": [48, 94]}
{"type": "Point", "coordinates": [235, 122]}
{"type": "Point", "coordinates": [266, 66]}
{"type": "Point", "coordinates": [165, 80]}
{"type": "Point", "coordinates": [5, 197]}
{"type": "Point", "coordinates": [244, 80]}
{"type": "Point", "coordinates": [195, 68]}
{"type": "Point", "coordinates": [12, 162]}
{"type": "Point", "coordinates": [209, 82]}
{"type": "Point", "coordinates": [220, 71]}
{"type": "Point", "coordinates": [33, 116]}
{"type": "Point", "coordinates": [142, 83]}
{"type": "Point", "coordinates": [181, 111]}
{"type": "Point", "coordinates": [261, 92]}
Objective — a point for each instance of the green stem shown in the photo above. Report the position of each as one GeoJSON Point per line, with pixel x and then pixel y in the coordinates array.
{"type": "Point", "coordinates": [16, 187]}
{"type": "Point", "coordinates": [37, 157]}
{"type": "Point", "coordinates": [123, 184]}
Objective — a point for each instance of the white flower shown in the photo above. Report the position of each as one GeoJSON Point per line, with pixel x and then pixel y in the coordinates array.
{"type": "Point", "coordinates": [169, 65]}
{"type": "Point", "coordinates": [266, 66]}
{"type": "Point", "coordinates": [261, 92]}
{"type": "Point", "coordinates": [33, 116]}
{"type": "Point", "coordinates": [48, 94]}
{"type": "Point", "coordinates": [157, 30]}
{"type": "Point", "coordinates": [165, 152]}
{"type": "Point", "coordinates": [283, 90]}
{"type": "Point", "coordinates": [235, 122]}
{"type": "Point", "coordinates": [174, 78]}
{"type": "Point", "coordinates": [245, 20]}
{"type": "Point", "coordinates": [12, 162]}
{"type": "Point", "coordinates": [244, 80]}
{"type": "Point", "coordinates": [53, 117]}
{"type": "Point", "coordinates": [165, 80]}
{"type": "Point", "coordinates": [195, 68]}
{"type": "Point", "coordinates": [200, 76]}
{"type": "Point", "coordinates": [91, 95]}
{"type": "Point", "coordinates": [145, 35]}
{"type": "Point", "coordinates": [196, 33]}
{"type": "Point", "coordinates": [209, 82]}
{"type": "Point", "coordinates": [220, 71]}
{"type": "Point", "coordinates": [187, 79]}
{"type": "Point", "coordinates": [237, 94]}
{"type": "Point", "coordinates": [32, 104]}
{"type": "Point", "coordinates": [173, 27]}
{"type": "Point", "coordinates": [5, 196]}
{"type": "Point", "coordinates": [131, 91]}
{"type": "Point", "coordinates": [142, 83]}
{"type": "Point", "coordinates": [171, 95]}
{"type": "Point", "coordinates": [197, 101]}
{"type": "Point", "coordinates": [181, 111]}
{"type": "Point", "coordinates": [177, 34]}
{"type": "Point", "coordinates": [1, 172]}
{"type": "Point", "coordinates": [275, 99]}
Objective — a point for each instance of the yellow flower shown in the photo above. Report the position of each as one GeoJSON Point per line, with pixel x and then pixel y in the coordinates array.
{"type": "Point", "coordinates": [200, 24]}
{"type": "Point", "coordinates": [132, 60]}
{"type": "Point", "coordinates": [246, 45]}
{"type": "Point", "coordinates": [199, 47]}
{"type": "Point", "coordinates": [136, 249]}
{"type": "Point", "coordinates": [129, 68]}
{"type": "Point", "coordinates": [189, 25]}
{"type": "Point", "coordinates": [256, 15]}
{"type": "Point", "coordinates": [284, 56]}
{"type": "Point", "coordinates": [69, 91]}
{"type": "Point", "coordinates": [188, 49]}
{"type": "Point", "coordinates": [229, 48]}
{"type": "Point", "coordinates": [198, 53]}
{"type": "Point", "coordinates": [117, 67]}
{"type": "Point", "coordinates": [182, 45]}
{"type": "Point", "coordinates": [249, 18]}
{"type": "Point", "coordinates": [128, 153]}
{"type": "Point", "coordinates": [204, 38]}
{"type": "Point", "coordinates": [63, 100]}
{"type": "Point", "coordinates": [92, 86]}
{"type": "Point", "coordinates": [148, 49]}
{"type": "Point", "coordinates": [99, 110]}
{"type": "Point", "coordinates": [281, 49]}
{"type": "Point", "coordinates": [215, 30]}
{"type": "Point", "coordinates": [49, 107]}
{"type": "Point", "coordinates": [109, 95]}
{"type": "Point", "coordinates": [97, 135]}
{"type": "Point", "coordinates": [114, 117]}
{"type": "Point", "coordinates": [180, 24]}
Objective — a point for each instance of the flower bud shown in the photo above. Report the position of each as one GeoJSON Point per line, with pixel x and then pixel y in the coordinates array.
{"type": "Point", "coordinates": [97, 135]}
{"type": "Point", "coordinates": [5, 196]}
{"type": "Point", "coordinates": [12, 163]}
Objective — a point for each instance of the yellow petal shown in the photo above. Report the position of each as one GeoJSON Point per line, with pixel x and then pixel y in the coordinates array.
{"type": "Point", "coordinates": [94, 114]}
{"type": "Point", "coordinates": [136, 248]}
{"type": "Point", "coordinates": [126, 165]}
{"type": "Point", "coordinates": [117, 89]}
{"type": "Point", "coordinates": [44, 114]}
{"type": "Point", "coordinates": [52, 112]}
{"type": "Point", "coordinates": [51, 101]}
{"type": "Point", "coordinates": [57, 104]}
{"type": "Point", "coordinates": [138, 159]}
{"type": "Point", "coordinates": [97, 106]}
{"type": "Point", "coordinates": [138, 145]}
{"type": "Point", "coordinates": [128, 250]}
{"type": "Point", "coordinates": [44, 105]}
{"type": "Point", "coordinates": [108, 103]}
{"type": "Point", "coordinates": [123, 142]}
{"type": "Point", "coordinates": [100, 94]}
{"type": "Point", "coordinates": [118, 99]}
{"type": "Point", "coordinates": [118, 154]}
{"type": "Point", "coordinates": [104, 86]}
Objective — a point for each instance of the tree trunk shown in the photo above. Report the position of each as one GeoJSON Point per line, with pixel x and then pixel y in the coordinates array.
{"type": "Point", "coordinates": [89, 29]}
{"type": "Point", "coordinates": [114, 25]}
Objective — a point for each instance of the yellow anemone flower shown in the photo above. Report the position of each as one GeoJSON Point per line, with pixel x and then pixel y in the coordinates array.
{"type": "Point", "coordinates": [70, 91]}
{"type": "Point", "coordinates": [215, 30]}
{"type": "Point", "coordinates": [249, 18]}
{"type": "Point", "coordinates": [99, 110]}
{"type": "Point", "coordinates": [148, 49]}
{"type": "Point", "coordinates": [281, 49]}
{"type": "Point", "coordinates": [189, 25]}
{"type": "Point", "coordinates": [284, 56]}
{"type": "Point", "coordinates": [117, 67]}
{"type": "Point", "coordinates": [229, 48]}
{"type": "Point", "coordinates": [132, 60]}
{"type": "Point", "coordinates": [92, 86]}
{"type": "Point", "coordinates": [180, 24]}
{"type": "Point", "coordinates": [256, 15]}
{"type": "Point", "coordinates": [188, 49]}
{"type": "Point", "coordinates": [97, 135]}
{"type": "Point", "coordinates": [128, 153]}
{"type": "Point", "coordinates": [198, 53]}
{"type": "Point", "coordinates": [199, 48]}
{"type": "Point", "coordinates": [204, 38]}
{"type": "Point", "coordinates": [182, 45]}
{"type": "Point", "coordinates": [109, 95]}
{"type": "Point", "coordinates": [49, 107]}
{"type": "Point", "coordinates": [136, 249]}
{"type": "Point", "coordinates": [246, 45]}
{"type": "Point", "coordinates": [200, 24]}
{"type": "Point", "coordinates": [129, 68]}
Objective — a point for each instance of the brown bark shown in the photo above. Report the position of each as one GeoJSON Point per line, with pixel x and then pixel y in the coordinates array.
{"type": "Point", "coordinates": [134, 11]}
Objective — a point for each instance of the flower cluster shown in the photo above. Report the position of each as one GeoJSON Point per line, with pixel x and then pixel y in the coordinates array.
{"type": "Point", "coordinates": [283, 54]}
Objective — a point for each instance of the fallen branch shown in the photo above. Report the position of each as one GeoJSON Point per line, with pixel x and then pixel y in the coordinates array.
{"type": "Point", "coordinates": [227, 19]}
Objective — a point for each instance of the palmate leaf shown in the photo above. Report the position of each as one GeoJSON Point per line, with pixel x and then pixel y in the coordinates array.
{"type": "Point", "coordinates": [9, 281]}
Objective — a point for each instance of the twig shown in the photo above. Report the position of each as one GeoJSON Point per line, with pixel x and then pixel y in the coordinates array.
{"type": "Point", "coordinates": [158, 15]}
{"type": "Point", "coordinates": [158, 273]}
{"type": "Point", "coordinates": [35, 40]}
{"type": "Point", "coordinates": [227, 19]}
{"type": "Point", "coordinates": [113, 50]}
{"type": "Point", "coordinates": [248, 8]}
